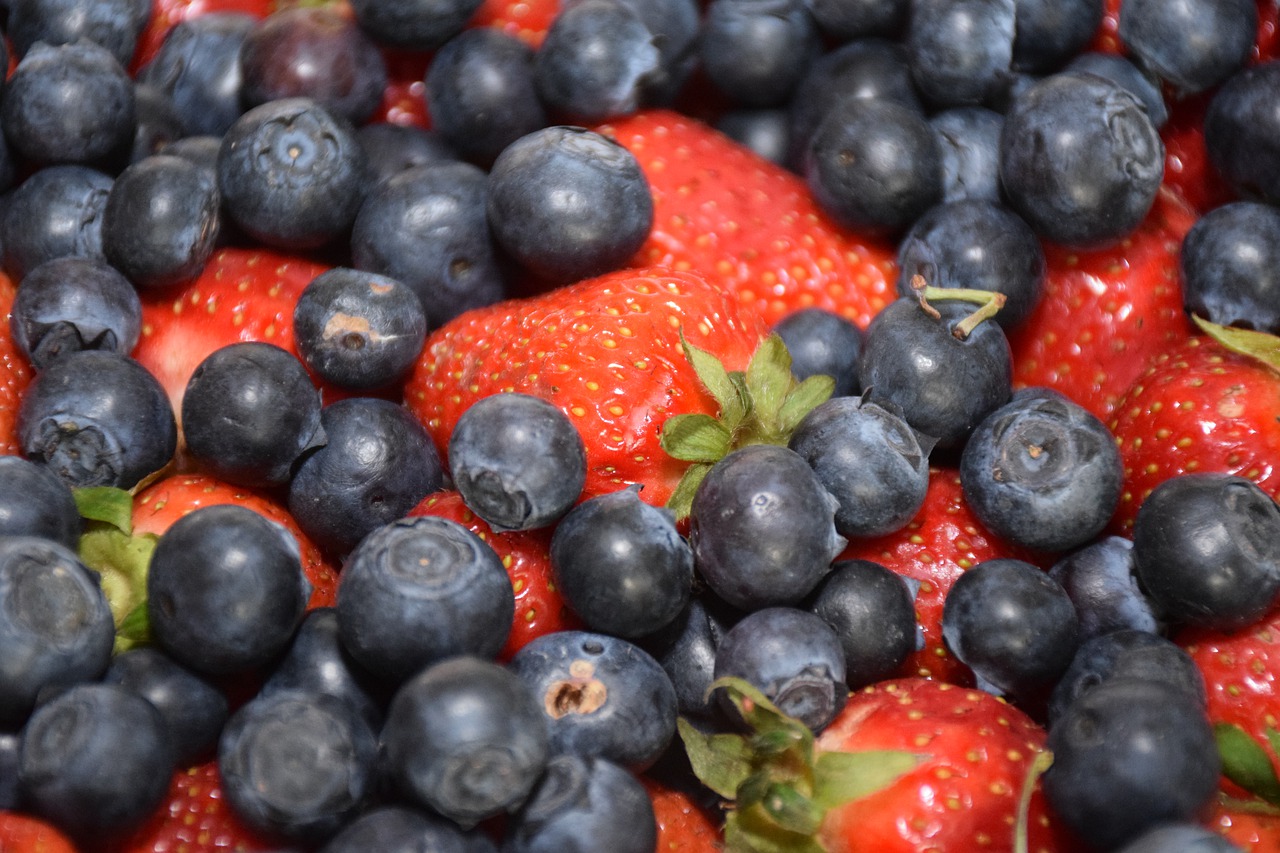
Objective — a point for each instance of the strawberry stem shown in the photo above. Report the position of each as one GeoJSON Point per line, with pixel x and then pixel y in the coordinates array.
{"type": "Point", "coordinates": [989, 303]}
{"type": "Point", "coordinates": [1038, 766]}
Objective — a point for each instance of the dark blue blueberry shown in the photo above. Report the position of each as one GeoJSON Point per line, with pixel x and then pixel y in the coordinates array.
{"type": "Point", "coordinates": [52, 214]}
{"type": "Point", "coordinates": [874, 165]}
{"type": "Point", "coordinates": [1183, 837]}
{"type": "Point", "coordinates": [1230, 265]}
{"type": "Point", "coordinates": [791, 656]}
{"type": "Point", "coordinates": [1050, 32]}
{"type": "Point", "coordinates": [114, 24]}
{"type": "Point", "coordinates": [873, 613]}
{"type": "Point", "coordinates": [969, 138]}
{"type": "Point", "coordinates": [34, 501]}
{"type": "Point", "coordinates": [313, 52]}
{"type": "Point", "coordinates": [675, 25]}
{"type": "Point", "coordinates": [465, 738]}
{"type": "Point", "coordinates": [358, 329]}
{"type": "Point", "coordinates": [158, 122]}
{"type": "Point", "coordinates": [601, 696]}
{"type": "Point", "coordinates": [1126, 655]}
{"type": "Point", "coordinates": [193, 709]}
{"type": "Point", "coordinates": [767, 132]}
{"type": "Point", "coordinates": [518, 461]}
{"type": "Point", "coordinates": [976, 244]}
{"type": "Point", "coordinates": [97, 418]}
{"type": "Point", "coordinates": [1109, 783]}
{"type": "Point", "coordinates": [427, 227]}
{"type": "Point", "coordinates": [1242, 132]}
{"type": "Point", "coordinates": [95, 759]}
{"type": "Point", "coordinates": [621, 565]}
{"type": "Point", "coordinates": [961, 50]}
{"type": "Point", "coordinates": [1042, 471]}
{"type": "Point", "coordinates": [1100, 579]}
{"type": "Point", "coordinates": [757, 51]}
{"type": "Point", "coordinates": [686, 649]}
{"type": "Point", "coordinates": [377, 463]}
{"type": "Point", "coordinates": [249, 412]}
{"type": "Point", "coordinates": [1012, 624]}
{"type": "Point", "coordinates": [1208, 550]}
{"type": "Point", "coordinates": [55, 625]}
{"type": "Point", "coordinates": [69, 103]}
{"type": "Point", "coordinates": [420, 590]}
{"type": "Point", "coordinates": [292, 174]}
{"type": "Point", "coordinates": [72, 304]}
{"type": "Point", "coordinates": [944, 382]}
{"type": "Point", "coordinates": [823, 343]}
{"type": "Point", "coordinates": [296, 765]}
{"type": "Point", "coordinates": [849, 19]}
{"type": "Point", "coordinates": [10, 793]}
{"type": "Point", "coordinates": [225, 590]}
{"type": "Point", "coordinates": [584, 805]}
{"type": "Point", "coordinates": [763, 528]}
{"type": "Point", "coordinates": [568, 203]}
{"type": "Point", "coordinates": [1121, 71]}
{"type": "Point", "coordinates": [161, 221]}
{"type": "Point", "coordinates": [481, 94]}
{"type": "Point", "coordinates": [869, 459]}
{"type": "Point", "coordinates": [198, 64]}
{"type": "Point", "coordinates": [401, 829]}
{"type": "Point", "coordinates": [200, 150]}
{"type": "Point", "coordinates": [1193, 44]}
{"type": "Point", "coordinates": [419, 25]}
{"type": "Point", "coordinates": [1080, 159]}
{"type": "Point", "coordinates": [392, 148]}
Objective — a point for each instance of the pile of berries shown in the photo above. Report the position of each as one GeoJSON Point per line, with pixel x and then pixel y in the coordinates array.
{"type": "Point", "coordinates": [638, 425]}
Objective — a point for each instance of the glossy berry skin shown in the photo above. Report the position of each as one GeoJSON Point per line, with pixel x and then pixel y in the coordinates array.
{"type": "Point", "coordinates": [377, 463]}
{"type": "Point", "coordinates": [419, 590]}
{"type": "Point", "coordinates": [1184, 837]}
{"type": "Point", "coordinates": [26, 832]}
{"type": "Point", "coordinates": [568, 203]}
{"type": "Point", "coordinates": [1102, 583]}
{"type": "Point", "coordinates": [1240, 132]}
{"type": "Point", "coordinates": [1229, 264]}
{"type": "Point", "coordinates": [54, 621]}
{"type": "Point", "coordinates": [622, 565]}
{"type": "Point", "coordinates": [71, 304]}
{"type": "Point", "coordinates": [600, 696]}
{"type": "Point", "coordinates": [225, 590]}
{"type": "Point", "coordinates": [1194, 44]}
{"type": "Point", "coordinates": [1080, 159]}
{"type": "Point", "coordinates": [686, 649]}
{"type": "Point", "coordinates": [872, 611]}
{"type": "Point", "coordinates": [55, 212]}
{"type": "Point", "coordinates": [960, 52]}
{"type": "Point", "coordinates": [969, 141]}
{"type": "Point", "coordinates": [97, 419]}
{"type": "Point", "coordinates": [419, 25]}
{"type": "Point", "coordinates": [844, 20]}
{"type": "Point", "coordinates": [762, 528]}
{"type": "Point", "coordinates": [392, 148]}
{"type": "Point", "coordinates": [583, 802]}
{"type": "Point", "coordinates": [116, 24]}
{"type": "Point", "coordinates": [793, 657]}
{"type": "Point", "coordinates": [249, 412]}
{"type": "Point", "coordinates": [34, 501]}
{"type": "Point", "coordinates": [1049, 32]}
{"type": "Point", "coordinates": [198, 64]}
{"type": "Point", "coordinates": [765, 131]}
{"type": "Point", "coordinates": [1208, 550]}
{"type": "Point", "coordinates": [397, 829]}
{"type": "Point", "coordinates": [1120, 70]}
{"type": "Point", "coordinates": [1012, 624]}
{"type": "Point", "coordinates": [1108, 784]}
{"type": "Point", "coordinates": [192, 707]}
{"type": "Point", "coordinates": [757, 52]}
{"type": "Point", "coordinates": [822, 342]}
{"type": "Point", "coordinates": [465, 738]}
{"type": "Point", "coordinates": [518, 461]}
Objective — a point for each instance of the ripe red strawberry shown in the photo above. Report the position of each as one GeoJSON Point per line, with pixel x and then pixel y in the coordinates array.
{"type": "Point", "coordinates": [404, 100]}
{"type": "Point", "coordinates": [749, 225]}
{"type": "Point", "coordinates": [1106, 313]}
{"type": "Point", "coordinates": [683, 826]}
{"type": "Point", "coordinates": [22, 833]}
{"type": "Point", "coordinates": [1199, 407]}
{"type": "Point", "coordinates": [1246, 825]}
{"type": "Point", "coordinates": [15, 373]}
{"type": "Point", "coordinates": [526, 556]}
{"type": "Point", "coordinates": [527, 20]}
{"type": "Point", "coordinates": [166, 14]}
{"type": "Point", "coordinates": [1186, 160]}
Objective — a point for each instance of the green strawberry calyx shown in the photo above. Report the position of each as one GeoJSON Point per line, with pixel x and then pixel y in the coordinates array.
{"type": "Point", "coordinates": [779, 784]}
{"type": "Point", "coordinates": [121, 558]}
{"type": "Point", "coordinates": [1246, 763]}
{"type": "Point", "coordinates": [1259, 346]}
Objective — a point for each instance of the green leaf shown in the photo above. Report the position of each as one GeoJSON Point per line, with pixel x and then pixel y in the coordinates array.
{"type": "Point", "coordinates": [840, 777]}
{"type": "Point", "coordinates": [803, 399]}
{"type": "Point", "coordinates": [721, 761]}
{"type": "Point", "coordinates": [106, 504]}
{"type": "Point", "coordinates": [122, 562]}
{"type": "Point", "coordinates": [791, 810]}
{"type": "Point", "coordinates": [713, 376]}
{"type": "Point", "coordinates": [1247, 342]}
{"type": "Point", "coordinates": [134, 630]}
{"type": "Point", "coordinates": [1246, 763]}
{"type": "Point", "coordinates": [695, 438]}
{"type": "Point", "coordinates": [769, 379]}
{"type": "Point", "coordinates": [761, 715]}
{"type": "Point", "coordinates": [681, 501]}
{"type": "Point", "coordinates": [751, 832]}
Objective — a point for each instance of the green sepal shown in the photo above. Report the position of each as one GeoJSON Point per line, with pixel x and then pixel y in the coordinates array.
{"type": "Point", "coordinates": [1246, 763]}
{"type": "Point", "coordinates": [761, 715]}
{"type": "Point", "coordinates": [721, 761]}
{"type": "Point", "coordinates": [840, 777]}
{"type": "Point", "coordinates": [729, 393]}
{"type": "Point", "coordinates": [121, 562]}
{"type": "Point", "coordinates": [750, 832]}
{"type": "Point", "coordinates": [769, 379]}
{"type": "Point", "coordinates": [1259, 346]}
{"type": "Point", "coordinates": [134, 630]}
{"type": "Point", "coordinates": [695, 438]}
{"type": "Point", "coordinates": [803, 399]}
{"type": "Point", "coordinates": [791, 810]}
{"type": "Point", "coordinates": [106, 504]}
{"type": "Point", "coordinates": [681, 501]}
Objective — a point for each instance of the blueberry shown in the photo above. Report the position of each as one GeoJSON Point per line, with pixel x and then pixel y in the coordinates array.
{"type": "Point", "coordinates": [401, 829]}
{"type": "Point", "coordinates": [72, 304]}
{"type": "Point", "coordinates": [1121, 71]}
{"type": "Point", "coordinates": [10, 761]}
{"type": "Point", "coordinates": [757, 51]}
{"type": "Point", "coordinates": [621, 565]}
{"type": "Point", "coordinates": [961, 50]}
{"type": "Point", "coordinates": [601, 696]}
{"type": "Point", "coordinates": [1080, 159]}
{"type": "Point", "coordinates": [34, 501]}
{"type": "Point", "coordinates": [225, 590]}
{"type": "Point", "coordinates": [392, 148]}
{"type": "Point", "coordinates": [161, 221]}
{"type": "Point", "coordinates": [872, 611]}
{"type": "Point", "coordinates": [249, 412]}
{"type": "Point", "coordinates": [1242, 132]}
{"type": "Point", "coordinates": [1012, 624]}
{"type": "Point", "coordinates": [114, 24]}
{"type": "Point", "coordinates": [198, 65]}
{"type": "Point", "coordinates": [296, 765]}
{"type": "Point", "coordinates": [1100, 579]}
{"type": "Point", "coordinates": [158, 122]}
{"type": "Point", "coordinates": [465, 738]}
{"type": "Point", "coordinates": [52, 214]}
{"type": "Point", "coordinates": [1230, 263]}
{"type": "Point", "coordinates": [518, 461]}
{"type": "Point", "coordinates": [420, 590]}
{"type": "Point", "coordinates": [869, 459]}
{"type": "Point", "coordinates": [1208, 550]}
{"type": "Point", "coordinates": [95, 759]}
{"type": "Point", "coordinates": [97, 418]}
{"type": "Point", "coordinates": [686, 649]}
{"type": "Point", "coordinates": [969, 138]}
{"type": "Point", "coordinates": [823, 343]}
{"type": "Point", "coordinates": [55, 625]}
{"type": "Point", "coordinates": [582, 805]}
{"type": "Point", "coordinates": [358, 329]}
{"type": "Point", "coordinates": [762, 528]}
{"type": "Point", "coordinates": [976, 244]}
{"type": "Point", "coordinates": [1050, 32]}
{"type": "Point", "coordinates": [481, 94]}
{"type": "Point", "coordinates": [427, 227]}
{"type": "Point", "coordinates": [675, 26]}
{"type": "Point", "coordinates": [844, 20]}
{"type": "Point", "coordinates": [377, 463]}
{"type": "Point", "coordinates": [1110, 782]}
{"type": "Point", "coordinates": [568, 203]}
{"type": "Point", "coordinates": [199, 150]}
{"type": "Point", "coordinates": [1181, 837]}
{"type": "Point", "coordinates": [767, 132]}
{"type": "Point", "coordinates": [1193, 44]}
{"type": "Point", "coordinates": [419, 25]}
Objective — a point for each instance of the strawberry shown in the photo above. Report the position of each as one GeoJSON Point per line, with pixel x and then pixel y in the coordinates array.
{"type": "Point", "coordinates": [1186, 160]}
{"type": "Point", "coordinates": [527, 20]}
{"type": "Point", "coordinates": [749, 225]}
{"type": "Point", "coordinates": [526, 556]}
{"type": "Point", "coordinates": [1265, 46]}
{"type": "Point", "coordinates": [1200, 407]}
{"type": "Point", "coordinates": [1106, 313]}
{"type": "Point", "coordinates": [683, 826]}
{"type": "Point", "coordinates": [1245, 824]}
{"type": "Point", "coordinates": [22, 833]}
{"type": "Point", "coordinates": [166, 14]}
{"type": "Point", "coordinates": [15, 373]}
{"type": "Point", "coordinates": [404, 100]}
